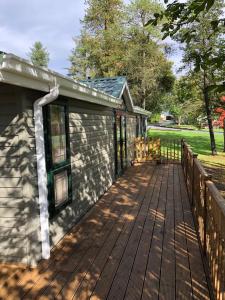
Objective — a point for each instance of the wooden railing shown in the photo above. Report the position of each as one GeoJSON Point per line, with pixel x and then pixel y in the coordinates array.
{"type": "Point", "coordinates": [156, 149]}
{"type": "Point", "coordinates": [209, 214]}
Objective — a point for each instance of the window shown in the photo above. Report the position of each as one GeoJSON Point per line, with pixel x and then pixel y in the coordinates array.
{"type": "Point", "coordinates": [58, 156]}
{"type": "Point", "coordinates": [58, 133]}
{"type": "Point", "coordinates": [61, 188]}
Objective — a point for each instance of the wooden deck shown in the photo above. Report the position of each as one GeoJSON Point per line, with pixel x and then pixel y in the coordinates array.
{"type": "Point", "coordinates": [137, 242]}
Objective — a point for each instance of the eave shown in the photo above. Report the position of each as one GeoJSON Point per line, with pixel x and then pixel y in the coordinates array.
{"type": "Point", "coordinates": [17, 71]}
{"type": "Point", "coordinates": [20, 72]}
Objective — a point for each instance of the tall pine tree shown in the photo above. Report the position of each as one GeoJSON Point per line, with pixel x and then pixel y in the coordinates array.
{"type": "Point", "coordinates": [114, 41]}
{"type": "Point", "coordinates": [99, 49]}
{"type": "Point", "coordinates": [147, 68]}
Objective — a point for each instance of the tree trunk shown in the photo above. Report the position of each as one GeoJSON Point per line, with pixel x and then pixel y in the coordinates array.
{"type": "Point", "coordinates": [224, 135]}
{"type": "Point", "coordinates": [209, 117]}
{"type": "Point", "coordinates": [179, 120]}
{"type": "Point", "coordinates": [143, 102]}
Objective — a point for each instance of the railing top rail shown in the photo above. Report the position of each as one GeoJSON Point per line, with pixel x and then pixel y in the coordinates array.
{"type": "Point", "coordinates": [200, 167]}
{"type": "Point", "coordinates": [186, 145]}
{"type": "Point", "coordinates": [202, 170]}
{"type": "Point", "coordinates": [216, 195]}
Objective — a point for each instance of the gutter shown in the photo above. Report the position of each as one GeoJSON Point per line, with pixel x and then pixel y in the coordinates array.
{"type": "Point", "coordinates": [17, 71]}
{"type": "Point", "coordinates": [20, 72]}
{"type": "Point", "coordinates": [41, 168]}
{"type": "Point", "coordinates": [139, 110]}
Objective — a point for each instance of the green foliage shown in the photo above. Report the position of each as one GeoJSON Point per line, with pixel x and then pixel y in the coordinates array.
{"type": "Point", "coordinates": [205, 47]}
{"type": "Point", "coordinates": [198, 25]}
{"type": "Point", "coordinates": [179, 15]}
{"type": "Point", "coordinates": [155, 118]}
{"type": "Point", "coordinates": [148, 70]}
{"type": "Point", "coordinates": [99, 49]}
{"type": "Point", "coordinates": [39, 55]}
{"type": "Point", "coordinates": [185, 101]}
{"type": "Point", "coordinates": [114, 41]}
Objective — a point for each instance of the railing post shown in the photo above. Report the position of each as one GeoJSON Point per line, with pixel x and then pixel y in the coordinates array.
{"type": "Point", "coordinates": [182, 152]}
{"type": "Point", "coordinates": [186, 153]}
{"type": "Point", "coordinates": [193, 178]}
{"type": "Point", "coordinates": [205, 217]}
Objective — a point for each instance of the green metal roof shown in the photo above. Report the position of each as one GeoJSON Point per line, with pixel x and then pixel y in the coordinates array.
{"type": "Point", "coordinates": [112, 86]}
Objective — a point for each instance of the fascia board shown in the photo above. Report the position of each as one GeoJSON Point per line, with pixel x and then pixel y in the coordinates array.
{"type": "Point", "coordinates": [17, 71]}
{"type": "Point", "coordinates": [139, 110]}
{"type": "Point", "coordinates": [125, 91]}
{"type": "Point", "coordinates": [130, 98]}
{"type": "Point", "coordinates": [121, 93]}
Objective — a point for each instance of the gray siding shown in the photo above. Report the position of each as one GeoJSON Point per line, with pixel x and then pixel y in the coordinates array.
{"type": "Point", "coordinates": [18, 191]}
{"type": "Point", "coordinates": [92, 162]}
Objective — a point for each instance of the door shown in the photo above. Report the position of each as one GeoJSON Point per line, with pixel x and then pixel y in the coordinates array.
{"type": "Point", "coordinates": [121, 143]}
{"type": "Point", "coordinates": [57, 157]}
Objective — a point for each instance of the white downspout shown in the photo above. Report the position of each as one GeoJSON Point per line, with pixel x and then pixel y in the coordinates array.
{"type": "Point", "coordinates": [41, 168]}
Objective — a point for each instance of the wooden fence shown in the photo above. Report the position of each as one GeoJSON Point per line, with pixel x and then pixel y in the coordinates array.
{"type": "Point", "coordinates": [209, 213]}
{"type": "Point", "coordinates": [156, 149]}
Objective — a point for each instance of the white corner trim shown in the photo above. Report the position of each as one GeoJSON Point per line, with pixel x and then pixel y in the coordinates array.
{"type": "Point", "coordinates": [41, 168]}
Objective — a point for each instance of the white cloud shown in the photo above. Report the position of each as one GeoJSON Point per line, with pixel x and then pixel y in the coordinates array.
{"type": "Point", "coordinates": [54, 23]}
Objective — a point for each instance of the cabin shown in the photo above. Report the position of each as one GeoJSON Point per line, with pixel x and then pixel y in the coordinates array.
{"type": "Point", "coordinates": [158, 231]}
{"type": "Point", "coordinates": [62, 145]}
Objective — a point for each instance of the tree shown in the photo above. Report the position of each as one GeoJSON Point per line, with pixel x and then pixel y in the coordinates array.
{"type": "Point", "coordinates": [197, 24]}
{"type": "Point", "coordinates": [180, 14]}
{"type": "Point", "coordinates": [39, 55]}
{"type": "Point", "coordinates": [146, 66]}
{"type": "Point", "coordinates": [200, 51]}
{"type": "Point", "coordinates": [114, 41]}
{"type": "Point", "coordinates": [185, 101]}
{"type": "Point", "coordinates": [99, 49]}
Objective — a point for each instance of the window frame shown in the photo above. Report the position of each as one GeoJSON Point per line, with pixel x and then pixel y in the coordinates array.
{"type": "Point", "coordinates": [55, 168]}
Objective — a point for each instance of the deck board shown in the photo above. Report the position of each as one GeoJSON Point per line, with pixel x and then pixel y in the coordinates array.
{"type": "Point", "coordinates": [137, 242]}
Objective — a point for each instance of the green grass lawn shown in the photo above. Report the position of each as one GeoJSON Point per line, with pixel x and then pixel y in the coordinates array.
{"type": "Point", "coordinates": [200, 144]}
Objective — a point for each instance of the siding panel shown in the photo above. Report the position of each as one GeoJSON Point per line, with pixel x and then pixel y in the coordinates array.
{"type": "Point", "coordinates": [92, 162]}
{"type": "Point", "coordinates": [18, 181]}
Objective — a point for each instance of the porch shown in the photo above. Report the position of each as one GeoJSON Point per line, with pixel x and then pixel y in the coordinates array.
{"type": "Point", "coordinates": [138, 242]}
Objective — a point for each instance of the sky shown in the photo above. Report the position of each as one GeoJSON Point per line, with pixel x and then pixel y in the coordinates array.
{"type": "Point", "coordinates": [54, 23]}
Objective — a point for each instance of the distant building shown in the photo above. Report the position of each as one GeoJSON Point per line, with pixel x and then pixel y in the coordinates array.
{"type": "Point", "coordinates": [166, 116]}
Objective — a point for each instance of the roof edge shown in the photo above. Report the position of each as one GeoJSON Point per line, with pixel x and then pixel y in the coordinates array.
{"type": "Point", "coordinates": [21, 72]}
{"type": "Point", "coordinates": [18, 71]}
{"type": "Point", "coordinates": [142, 111]}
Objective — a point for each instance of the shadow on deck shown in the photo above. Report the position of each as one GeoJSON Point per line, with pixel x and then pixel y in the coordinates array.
{"type": "Point", "coordinates": [137, 242]}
